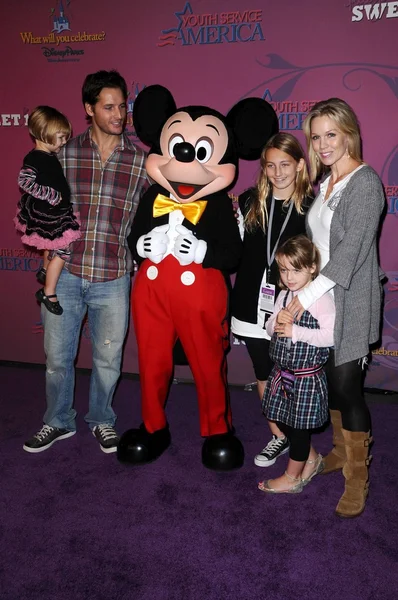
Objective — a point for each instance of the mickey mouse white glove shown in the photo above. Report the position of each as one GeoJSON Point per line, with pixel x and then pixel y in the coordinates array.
{"type": "Point", "coordinates": [153, 245]}
{"type": "Point", "coordinates": [188, 248]}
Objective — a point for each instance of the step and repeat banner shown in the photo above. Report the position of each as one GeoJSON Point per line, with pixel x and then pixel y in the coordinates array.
{"type": "Point", "coordinates": [290, 52]}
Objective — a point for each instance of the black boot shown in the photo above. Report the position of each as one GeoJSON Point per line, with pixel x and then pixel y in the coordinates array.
{"type": "Point", "coordinates": [138, 446]}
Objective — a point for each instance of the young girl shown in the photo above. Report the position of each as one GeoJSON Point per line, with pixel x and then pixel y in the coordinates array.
{"type": "Point", "coordinates": [45, 215]}
{"type": "Point", "coordinates": [296, 393]}
{"type": "Point", "coordinates": [272, 212]}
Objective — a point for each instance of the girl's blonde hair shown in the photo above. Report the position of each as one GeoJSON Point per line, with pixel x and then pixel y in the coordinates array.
{"type": "Point", "coordinates": [346, 120]}
{"type": "Point", "coordinates": [45, 122]}
{"type": "Point", "coordinates": [301, 253]}
{"type": "Point", "coordinates": [257, 215]}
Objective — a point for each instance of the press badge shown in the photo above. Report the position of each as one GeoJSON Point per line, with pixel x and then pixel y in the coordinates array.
{"type": "Point", "coordinates": [267, 297]}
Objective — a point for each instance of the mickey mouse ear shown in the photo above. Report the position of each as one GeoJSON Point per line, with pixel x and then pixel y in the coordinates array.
{"type": "Point", "coordinates": [253, 122]}
{"type": "Point", "coordinates": [152, 107]}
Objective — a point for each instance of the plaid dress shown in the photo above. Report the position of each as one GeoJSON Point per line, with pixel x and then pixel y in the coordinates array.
{"type": "Point", "coordinates": [307, 407]}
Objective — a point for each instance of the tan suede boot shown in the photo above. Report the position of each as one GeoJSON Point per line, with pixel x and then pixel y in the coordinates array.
{"type": "Point", "coordinates": [336, 458]}
{"type": "Point", "coordinates": [355, 471]}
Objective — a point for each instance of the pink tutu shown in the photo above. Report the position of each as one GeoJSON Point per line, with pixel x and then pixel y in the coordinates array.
{"type": "Point", "coordinates": [41, 243]}
{"type": "Point", "coordinates": [52, 230]}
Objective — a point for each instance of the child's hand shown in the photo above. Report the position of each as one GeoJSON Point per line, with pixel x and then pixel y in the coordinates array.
{"type": "Point", "coordinates": [283, 330]}
{"type": "Point", "coordinates": [296, 308]}
{"type": "Point", "coordinates": [284, 316]}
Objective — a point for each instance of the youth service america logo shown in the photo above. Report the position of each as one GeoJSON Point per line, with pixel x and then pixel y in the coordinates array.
{"type": "Point", "coordinates": [213, 28]}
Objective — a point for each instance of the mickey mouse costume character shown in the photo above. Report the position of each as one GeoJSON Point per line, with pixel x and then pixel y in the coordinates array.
{"type": "Point", "coordinates": [185, 239]}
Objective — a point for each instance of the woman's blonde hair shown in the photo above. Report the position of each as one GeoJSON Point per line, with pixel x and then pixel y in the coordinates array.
{"type": "Point", "coordinates": [301, 253]}
{"type": "Point", "coordinates": [257, 215]}
{"type": "Point", "coordinates": [346, 120]}
{"type": "Point", "coordinates": [45, 122]}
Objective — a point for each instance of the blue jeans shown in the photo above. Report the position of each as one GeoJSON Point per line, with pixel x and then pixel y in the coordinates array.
{"type": "Point", "coordinates": [107, 304]}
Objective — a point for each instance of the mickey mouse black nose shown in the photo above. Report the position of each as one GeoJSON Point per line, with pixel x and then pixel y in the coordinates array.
{"type": "Point", "coordinates": [184, 152]}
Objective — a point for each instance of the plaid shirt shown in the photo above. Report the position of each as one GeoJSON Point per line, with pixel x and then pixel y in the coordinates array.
{"type": "Point", "coordinates": [106, 196]}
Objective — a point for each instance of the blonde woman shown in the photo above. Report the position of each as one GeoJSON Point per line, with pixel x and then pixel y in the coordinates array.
{"type": "Point", "coordinates": [270, 214]}
{"type": "Point", "coordinates": [343, 223]}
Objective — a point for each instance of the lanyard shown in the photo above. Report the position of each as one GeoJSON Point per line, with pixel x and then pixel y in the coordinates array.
{"type": "Point", "coordinates": [288, 340]}
{"type": "Point", "coordinates": [270, 257]}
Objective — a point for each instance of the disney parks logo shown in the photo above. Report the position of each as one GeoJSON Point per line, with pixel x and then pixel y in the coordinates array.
{"type": "Point", "coordinates": [213, 28]}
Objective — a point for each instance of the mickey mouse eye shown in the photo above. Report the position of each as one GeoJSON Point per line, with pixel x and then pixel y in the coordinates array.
{"type": "Point", "coordinates": [204, 150]}
{"type": "Point", "coordinates": [176, 139]}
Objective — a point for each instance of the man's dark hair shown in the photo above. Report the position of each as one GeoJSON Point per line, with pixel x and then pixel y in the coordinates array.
{"type": "Point", "coordinates": [96, 82]}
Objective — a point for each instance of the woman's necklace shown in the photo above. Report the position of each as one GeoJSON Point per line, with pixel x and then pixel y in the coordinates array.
{"type": "Point", "coordinates": [328, 190]}
{"type": "Point", "coordinates": [331, 183]}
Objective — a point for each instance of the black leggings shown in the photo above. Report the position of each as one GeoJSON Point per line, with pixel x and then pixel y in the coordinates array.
{"type": "Point", "coordinates": [299, 440]}
{"type": "Point", "coordinates": [345, 386]}
{"type": "Point", "coordinates": [258, 349]}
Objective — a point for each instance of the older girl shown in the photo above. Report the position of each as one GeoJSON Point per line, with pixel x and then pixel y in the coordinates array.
{"type": "Point", "coordinates": [273, 212]}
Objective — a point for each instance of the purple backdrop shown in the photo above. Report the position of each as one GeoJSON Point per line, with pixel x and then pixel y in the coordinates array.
{"type": "Point", "coordinates": [291, 53]}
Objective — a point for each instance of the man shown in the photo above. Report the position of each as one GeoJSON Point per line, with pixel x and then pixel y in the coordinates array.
{"type": "Point", "coordinates": [106, 174]}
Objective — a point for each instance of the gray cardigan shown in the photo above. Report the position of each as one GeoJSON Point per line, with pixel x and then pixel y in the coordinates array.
{"type": "Point", "coordinates": [354, 267]}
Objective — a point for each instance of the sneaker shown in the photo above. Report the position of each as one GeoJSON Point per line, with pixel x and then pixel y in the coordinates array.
{"type": "Point", "coordinates": [107, 437]}
{"type": "Point", "coordinates": [273, 450]}
{"type": "Point", "coordinates": [45, 438]}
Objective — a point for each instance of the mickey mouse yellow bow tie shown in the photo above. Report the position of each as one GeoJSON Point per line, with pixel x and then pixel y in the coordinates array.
{"type": "Point", "coordinates": [191, 210]}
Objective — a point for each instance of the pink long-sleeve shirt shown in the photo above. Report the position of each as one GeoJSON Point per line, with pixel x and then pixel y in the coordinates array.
{"type": "Point", "coordinates": [323, 310]}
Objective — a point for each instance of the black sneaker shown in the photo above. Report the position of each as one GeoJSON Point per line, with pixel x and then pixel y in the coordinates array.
{"type": "Point", "coordinates": [107, 437]}
{"type": "Point", "coordinates": [273, 450]}
{"type": "Point", "coordinates": [45, 438]}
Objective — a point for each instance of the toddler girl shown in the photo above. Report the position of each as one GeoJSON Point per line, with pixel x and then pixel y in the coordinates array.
{"type": "Point", "coordinates": [45, 214]}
